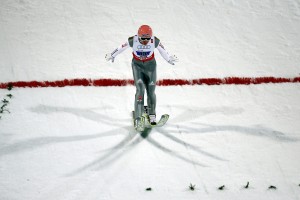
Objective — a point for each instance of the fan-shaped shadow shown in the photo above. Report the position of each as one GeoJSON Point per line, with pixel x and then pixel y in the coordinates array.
{"type": "Point", "coordinates": [111, 156]}
{"type": "Point", "coordinates": [87, 113]}
{"type": "Point", "coordinates": [191, 114]}
{"type": "Point", "coordinates": [187, 145]}
{"type": "Point", "coordinates": [257, 130]}
{"type": "Point", "coordinates": [30, 144]}
{"type": "Point", "coordinates": [172, 153]}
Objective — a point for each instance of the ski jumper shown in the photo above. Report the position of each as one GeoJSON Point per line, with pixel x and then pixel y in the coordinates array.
{"type": "Point", "coordinates": [144, 70]}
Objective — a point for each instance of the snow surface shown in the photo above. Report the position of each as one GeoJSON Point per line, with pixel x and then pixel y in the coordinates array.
{"type": "Point", "coordinates": [78, 142]}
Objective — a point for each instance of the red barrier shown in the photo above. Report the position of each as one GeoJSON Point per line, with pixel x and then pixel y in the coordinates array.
{"type": "Point", "coordinates": [164, 82]}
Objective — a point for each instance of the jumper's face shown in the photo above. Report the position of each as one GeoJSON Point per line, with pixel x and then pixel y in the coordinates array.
{"type": "Point", "coordinates": [144, 39]}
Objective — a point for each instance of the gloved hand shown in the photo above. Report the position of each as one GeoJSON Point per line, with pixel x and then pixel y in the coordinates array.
{"type": "Point", "coordinates": [109, 57]}
{"type": "Point", "coordinates": [173, 59]}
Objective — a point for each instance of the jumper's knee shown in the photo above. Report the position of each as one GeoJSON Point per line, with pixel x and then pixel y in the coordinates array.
{"type": "Point", "coordinates": [151, 90]}
{"type": "Point", "coordinates": [140, 90]}
{"type": "Point", "coordinates": [140, 87]}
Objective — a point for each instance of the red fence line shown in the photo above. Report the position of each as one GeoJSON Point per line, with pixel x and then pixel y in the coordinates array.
{"type": "Point", "coordinates": [164, 82]}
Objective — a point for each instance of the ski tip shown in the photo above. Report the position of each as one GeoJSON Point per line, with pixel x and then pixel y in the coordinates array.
{"type": "Point", "coordinates": [166, 116]}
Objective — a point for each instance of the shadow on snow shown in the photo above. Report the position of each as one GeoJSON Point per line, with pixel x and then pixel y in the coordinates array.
{"type": "Point", "coordinates": [132, 139]}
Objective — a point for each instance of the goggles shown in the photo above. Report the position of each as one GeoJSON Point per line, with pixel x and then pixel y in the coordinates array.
{"type": "Point", "coordinates": [145, 38]}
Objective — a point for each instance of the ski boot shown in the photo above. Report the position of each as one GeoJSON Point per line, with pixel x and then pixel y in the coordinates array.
{"type": "Point", "coordinates": [152, 120]}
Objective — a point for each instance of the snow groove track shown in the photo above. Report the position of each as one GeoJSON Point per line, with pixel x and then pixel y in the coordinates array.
{"type": "Point", "coordinates": [163, 82]}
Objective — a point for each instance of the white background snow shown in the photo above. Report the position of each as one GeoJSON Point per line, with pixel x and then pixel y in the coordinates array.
{"type": "Point", "coordinates": [78, 142]}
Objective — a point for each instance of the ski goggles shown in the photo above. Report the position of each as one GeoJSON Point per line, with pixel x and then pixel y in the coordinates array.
{"type": "Point", "coordinates": [145, 38]}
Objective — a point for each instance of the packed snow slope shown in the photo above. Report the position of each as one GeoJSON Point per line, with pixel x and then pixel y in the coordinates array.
{"type": "Point", "coordinates": [77, 143]}
{"type": "Point", "coordinates": [54, 40]}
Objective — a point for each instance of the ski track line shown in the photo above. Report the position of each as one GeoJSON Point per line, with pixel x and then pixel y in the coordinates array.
{"type": "Point", "coordinates": [163, 82]}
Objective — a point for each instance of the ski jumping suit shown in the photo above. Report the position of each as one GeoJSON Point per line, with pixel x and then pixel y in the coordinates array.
{"type": "Point", "coordinates": [144, 70]}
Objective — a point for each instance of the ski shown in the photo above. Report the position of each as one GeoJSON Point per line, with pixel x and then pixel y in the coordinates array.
{"type": "Point", "coordinates": [140, 124]}
{"type": "Point", "coordinates": [163, 120]}
{"type": "Point", "coordinates": [143, 122]}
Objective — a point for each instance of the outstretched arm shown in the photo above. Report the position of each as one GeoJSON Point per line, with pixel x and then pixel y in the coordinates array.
{"type": "Point", "coordinates": [165, 54]}
{"type": "Point", "coordinates": [111, 56]}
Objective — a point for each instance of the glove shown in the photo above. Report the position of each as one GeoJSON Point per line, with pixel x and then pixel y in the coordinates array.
{"type": "Point", "coordinates": [173, 59]}
{"type": "Point", "coordinates": [109, 57]}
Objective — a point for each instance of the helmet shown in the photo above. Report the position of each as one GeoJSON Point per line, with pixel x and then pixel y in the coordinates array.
{"type": "Point", "coordinates": [145, 31]}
